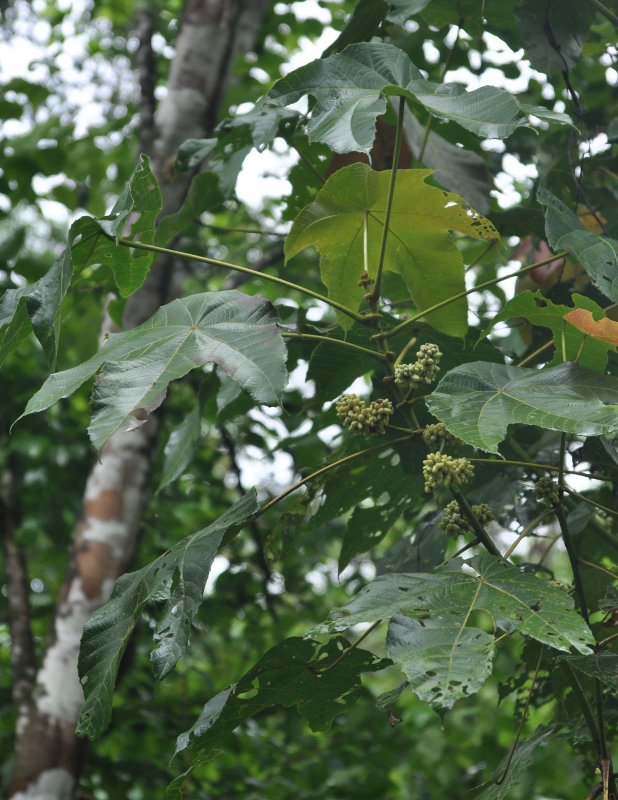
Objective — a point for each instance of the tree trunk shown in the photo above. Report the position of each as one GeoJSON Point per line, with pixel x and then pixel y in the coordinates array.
{"type": "Point", "coordinates": [49, 755]}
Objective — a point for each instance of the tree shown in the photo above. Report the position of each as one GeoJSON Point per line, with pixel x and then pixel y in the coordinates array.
{"type": "Point", "coordinates": [449, 543]}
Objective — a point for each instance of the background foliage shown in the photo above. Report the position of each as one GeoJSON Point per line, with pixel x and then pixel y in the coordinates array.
{"type": "Point", "coordinates": [289, 716]}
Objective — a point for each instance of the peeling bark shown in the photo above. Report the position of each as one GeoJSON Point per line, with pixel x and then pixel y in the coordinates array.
{"type": "Point", "coordinates": [49, 757]}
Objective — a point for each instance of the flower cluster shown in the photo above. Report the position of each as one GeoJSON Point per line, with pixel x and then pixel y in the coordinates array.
{"type": "Point", "coordinates": [360, 418]}
{"type": "Point", "coordinates": [546, 490]}
{"type": "Point", "coordinates": [436, 435]}
{"type": "Point", "coordinates": [453, 522]}
{"type": "Point", "coordinates": [440, 470]}
{"type": "Point", "coordinates": [424, 369]}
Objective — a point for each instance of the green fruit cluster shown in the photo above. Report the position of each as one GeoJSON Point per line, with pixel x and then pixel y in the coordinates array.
{"type": "Point", "coordinates": [362, 418]}
{"type": "Point", "coordinates": [546, 490]}
{"type": "Point", "coordinates": [453, 522]}
{"type": "Point", "coordinates": [442, 471]}
{"type": "Point", "coordinates": [436, 436]}
{"type": "Point", "coordinates": [424, 369]}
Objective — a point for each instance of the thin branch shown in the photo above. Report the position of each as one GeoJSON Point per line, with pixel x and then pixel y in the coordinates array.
{"type": "Point", "coordinates": [328, 467]}
{"type": "Point", "coordinates": [265, 276]}
{"type": "Point", "coordinates": [374, 296]}
{"type": "Point", "coordinates": [254, 529]}
{"type": "Point", "coordinates": [527, 530]}
{"type": "Point", "coordinates": [349, 649]}
{"type": "Point", "coordinates": [476, 526]}
{"type": "Point", "coordinates": [298, 336]}
{"type": "Point", "coordinates": [573, 493]}
{"type": "Point", "coordinates": [602, 9]}
{"type": "Point", "coordinates": [584, 705]}
{"type": "Point", "coordinates": [522, 720]}
{"type": "Point", "coordinates": [479, 288]}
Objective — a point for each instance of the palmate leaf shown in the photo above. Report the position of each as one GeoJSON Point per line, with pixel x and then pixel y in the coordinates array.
{"type": "Point", "coordinates": [177, 578]}
{"type": "Point", "coordinates": [351, 90]}
{"type": "Point", "coordinates": [233, 330]}
{"type": "Point", "coordinates": [478, 401]}
{"type": "Point", "coordinates": [419, 247]}
{"type": "Point", "coordinates": [443, 657]}
{"type": "Point", "coordinates": [293, 673]}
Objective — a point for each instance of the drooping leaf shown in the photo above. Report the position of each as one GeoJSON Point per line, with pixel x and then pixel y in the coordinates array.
{"type": "Point", "coordinates": [237, 332]}
{"type": "Point", "coordinates": [93, 241]}
{"type": "Point", "coordinates": [540, 311]}
{"type": "Point", "coordinates": [293, 673]}
{"type": "Point", "coordinates": [419, 245]}
{"type": "Point", "coordinates": [508, 774]}
{"type": "Point", "coordinates": [597, 254]}
{"type": "Point", "coordinates": [478, 401]}
{"type": "Point", "coordinates": [351, 90]}
{"type": "Point", "coordinates": [519, 601]}
{"type": "Point", "coordinates": [456, 169]}
{"type": "Point", "coordinates": [605, 329]}
{"type": "Point", "coordinates": [180, 447]}
{"type": "Point", "coordinates": [203, 195]}
{"type": "Point", "coordinates": [36, 308]}
{"type": "Point", "coordinates": [553, 34]}
{"type": "Point", "coordinates": [442, 660]}
{"type": "Point", "coordinates": [178, 578]}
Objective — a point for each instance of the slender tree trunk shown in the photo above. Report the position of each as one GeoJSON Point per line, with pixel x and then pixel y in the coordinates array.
{"type": "Point", "coordinates": [49, 757]}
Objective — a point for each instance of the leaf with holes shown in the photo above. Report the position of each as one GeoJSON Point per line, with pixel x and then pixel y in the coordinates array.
{"type": "Point", "coordinates": [419, 247]}
{"type": "Point", "coordinates": [177, 578]}
{"type": "Point", "coordinates": [443, 660]}
{"type": "Point", "coordinates": [233, 330]}
{"type": "Point", "coordinates": [478, 401]}
{"type": "Point", "coordinates": [518, 600]}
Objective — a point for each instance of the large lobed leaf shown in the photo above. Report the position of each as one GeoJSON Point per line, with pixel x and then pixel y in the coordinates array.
{"type": "Point", "coordinates": [233, 330]}
{"type": "Point", "coordinates": [478, 401]}
{"type": "Point", "coordinates": [351, 90]}
{"type": "Point", "coordinates": [177, 578]}
{"type": "Point", "coordinates": [419, 246]}
{"type": "Point", "coordinates": [443, 656]}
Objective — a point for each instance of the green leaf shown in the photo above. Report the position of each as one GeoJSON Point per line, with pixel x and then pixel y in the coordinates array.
{"type": "Point", "coordinates": [293, 672]}
{"type": "Point", "coordinates": [400, 11]}
{"type": "Point", "coordinates": [443, 657]}
{"type": "Point", "coordinates": [553, 34]}
{"type": "Point", "coordinates": [351, 89]}
{"type": "Point", "coordinates": [602, 666]}
{"type": "Point", "coordinates": [177, 578]}
{"type": "Point", "coordinates": [456, 169]}
{"type": "Point", "coordinates": [442, 660]}
{"type": "Point", "coordinates": [419, 247]}
{"type": "Point", "coordinates": [133, 215]}
{"type": "Point", "coordinates": [40, 304]}
{"type": "Point", "coordinates": [478, 401]}
{"type": "Point", "coordinates": [237, 332]}
{"type": "Point", "coordinates": [509, 771]}
{"type": "Point", "coordinates": [539, 311]}
{"type": "Point", "coordinates": [597, 254]}
{"type": "Point", "coordinates": [519, 601]}
{"type": "Point", "coordinates": [180, 447]}
{"type": "Point", "coordinates": [361, 26]}
{"type": "Point", "coordinates": [203, 195]}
